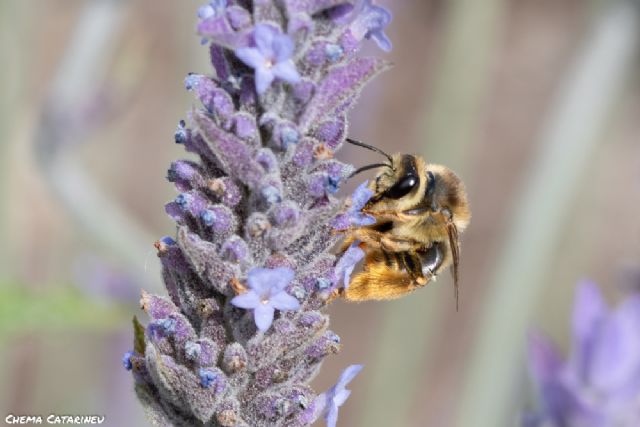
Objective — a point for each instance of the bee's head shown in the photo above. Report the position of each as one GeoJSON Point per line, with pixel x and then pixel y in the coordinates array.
{"type": "Point", "coordinates": [398, 184]}
{"type": "Point", "coordinates": [410, 186]}
{"type": "Point", "coordinates": [407, 185]}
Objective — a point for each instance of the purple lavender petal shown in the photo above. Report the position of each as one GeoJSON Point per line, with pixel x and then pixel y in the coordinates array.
{"type": "Point", "coordinates": [347, 263]}
{"type": "Point", "coordinates": [348, 375]}
{"type": "Point", "coordinates": [264, 78]}
{"type": "Point", "coordinates": [282, 48]}
{"type": "Point", "coordinates": [341, 396]}
{"type": "Point", "coordinates": [361, 196]}
{"type": "Point", "coordinates": [371, 22]}
{"type": "Point", "coordinates": [248, 300]}
{"type": "Point", "coordinates": [332, 416]}
{"type": "Point", "coordinates": [382, 40]}
{"type": "Point", "coordinates": [264, 36]}
{"type": "Point", "coordinates": [284, 301]}
{"type": "Point", "coordinates": [362, 219]}
{"type": "Point", "coordinates": [251, 57]}
{"type": "Point", "coordinates": [263, 315]}
{"type": "Point", "coordinates": [283, 276]}
{"type": "Point", "coordinates": [286, 71]}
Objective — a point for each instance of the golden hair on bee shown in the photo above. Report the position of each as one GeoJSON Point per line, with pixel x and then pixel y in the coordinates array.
{"type": "Point", "coordinates": [420, 209]}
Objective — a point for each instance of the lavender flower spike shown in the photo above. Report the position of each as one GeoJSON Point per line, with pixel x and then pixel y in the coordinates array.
{"type": "Point", "coordinates": [254, 213]}
{"type": "Point", "coordinates": [267, 294]}
{"type": "Point", "coordinates": [599, 384]}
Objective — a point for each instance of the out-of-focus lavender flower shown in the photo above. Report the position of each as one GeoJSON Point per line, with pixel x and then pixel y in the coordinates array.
{"type": "Point", "coordinates": [98, 278]}
{"type": "Point", "coordinates": [354, 216]}
{"type": "Point", "coordinates": [599, 384]}
{"type": "Point", "coordinates": [254, 215]}
{"type": "Point", "coordinates": [270, 58]}
{"type": "Point", "coordinates": [335, 397]}
{"type": "Point", "coordinates": [266, 294]}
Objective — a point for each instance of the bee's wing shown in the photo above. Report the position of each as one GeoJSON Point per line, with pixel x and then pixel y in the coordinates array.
{"type": "Point", "coordinates": [454, 243]}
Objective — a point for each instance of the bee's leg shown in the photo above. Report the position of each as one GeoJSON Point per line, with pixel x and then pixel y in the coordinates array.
{"type": "Point", "coordinates": [379, 283]}
{"type": "Point", "coordinates": [412, 263]}
{"type": "Point", "coordinates": [394, 244]}
{"type": "Point", "coordinates": [367, 236]}
{"type": "Point", "coordinates": [376, 238]}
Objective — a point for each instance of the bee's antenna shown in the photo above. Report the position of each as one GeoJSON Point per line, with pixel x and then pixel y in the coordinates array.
{"type": "Point", "coordinates": [370, 147]}
{"type": "Point", "coordinates": [366, 168]}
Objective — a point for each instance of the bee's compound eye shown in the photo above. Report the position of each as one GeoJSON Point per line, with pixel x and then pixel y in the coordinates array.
{"type": "Point", "coordinates": [402, 187]}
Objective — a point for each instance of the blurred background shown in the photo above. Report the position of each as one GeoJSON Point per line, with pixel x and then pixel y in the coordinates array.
{"type": "Point", "coordinates": [534, 103]}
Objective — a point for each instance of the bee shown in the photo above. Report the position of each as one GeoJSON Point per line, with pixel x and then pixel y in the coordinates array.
{"type": "Point", "coordinates": [420, 209]}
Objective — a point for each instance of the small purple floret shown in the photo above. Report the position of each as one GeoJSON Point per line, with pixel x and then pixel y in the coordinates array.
{"type": "Point", "coordinates": [375, 19]}
{"type": "Point", "coordinates": [354, 216]}
{"type": "Point", "coordinates": [334, 398]}
{"type": "Point", "coordinates": [270, 58]}
{"type": "Point", "coordinates": [266, 294]}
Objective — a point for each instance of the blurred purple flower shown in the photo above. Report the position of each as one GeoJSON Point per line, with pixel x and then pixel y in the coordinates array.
{"type": "Point", "coordinates": [103, 280]}
{"type": "Point", "coordinates": [354, 216]}
{"type": "Point", "coordinates": [599, 384]}
{"type": "Point", "coordinates": [335, 397]}
{"type": "Point", "coordinates": [266, 294]}
{"type": "Point", "coordinates": [271, 58]}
